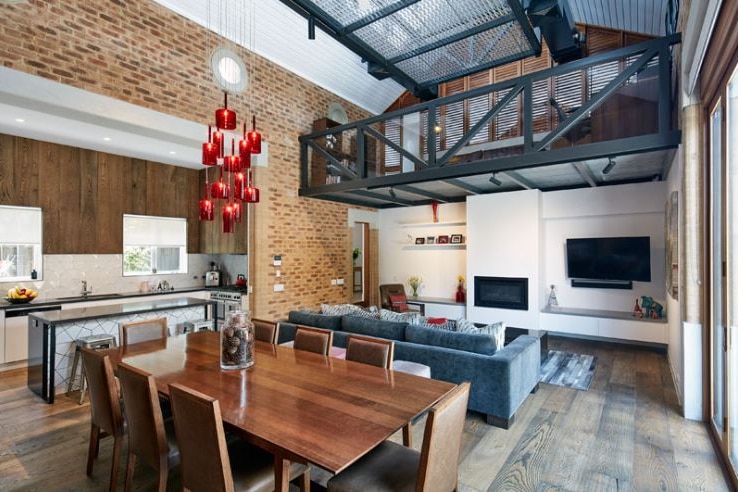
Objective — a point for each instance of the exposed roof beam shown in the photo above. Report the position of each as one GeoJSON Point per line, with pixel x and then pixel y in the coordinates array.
{"type": "Point", "coordinates": [585, 173]}
{"type": "Point", "coordinates": [417, 191]}
{"type": "Point", "coordinates": [464, 186]}
{"type": "Point", "coordinates": [379, 196]}
{"type": "Point", "coordinates": [519, 180]}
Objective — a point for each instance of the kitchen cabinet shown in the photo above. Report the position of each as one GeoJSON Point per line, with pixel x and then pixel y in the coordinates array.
{"type": "Point", "coordinates": [2, 337]}
{"type": "Point", "coordinates": [16, 339]}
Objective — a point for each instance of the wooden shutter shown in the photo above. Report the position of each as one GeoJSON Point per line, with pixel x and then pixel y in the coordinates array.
{"type": "Point", "coordinates": [541, 90]}
{"type": "Point", "coordinates": [507, 121]}
{"type": "Point", "coordinates": [600, 40]}
{"type": "Point", "coordinates": [479, 106]}
{"type": "Point", "coordinates": [393, 132]}
{"type": "Point", "coordinates": [453, 115]}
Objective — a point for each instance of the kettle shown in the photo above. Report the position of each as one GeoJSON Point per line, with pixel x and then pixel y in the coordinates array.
{"type": "Point", "coordinates": [212, 276]}
{"type": "Point", "coordinates": [241, 280]}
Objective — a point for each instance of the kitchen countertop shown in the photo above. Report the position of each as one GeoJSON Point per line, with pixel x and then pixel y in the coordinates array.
{"type": "Point", "coordinates": [41, 303]}
{"type": "Point", "coordinates": [112, 310]}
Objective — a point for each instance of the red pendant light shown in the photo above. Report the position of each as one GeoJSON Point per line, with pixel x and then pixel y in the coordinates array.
{"type": "Point", "coordinates": [244, 150]}
{"type": "Point", "coordinates": [254, 138]}
{"type": "Point", "coordinates": [209, 150]}
{"type": "Point", "coordinates": [220, 189]}
{"type": "Point", "coordinates": [218, 141]}
{"type": "Point", "coordinates": [225, 118]}
{"type": "Point", "coordinates": [207, 209]}
{"type": "Point", "coordinates": [232, 163]}
{"type": "Point", "coordinates": [237, 211]}
{"type": "Point", "coordinates": [228, 218]}
{"type": "Point", "coordinates": [239, 187]}
{"type": "Point", "coordinates": [251, 192]}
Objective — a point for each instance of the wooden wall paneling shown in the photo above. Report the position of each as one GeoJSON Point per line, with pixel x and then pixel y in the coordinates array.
{"type": "Point", "coordinates": [69, 201]}
{"type": "Point", "coordinates": [26, 172]}
{"type": "Point", "coordinates": [193, 211]}
{"type": "Point", "coordinates": [114, 172]}
{"type": "Point", "coordinates": [49, 192]}
{"type": "Point", "coordinates": [87, 202]}
{"type": "Point", "coordinates": [7, 168]}
{"type": "Point", "coordinates": [138, 193]}
{"type": "Point", "coordinates": [167, 186]}
{"type": "Point", "coordinates": [154, 193]}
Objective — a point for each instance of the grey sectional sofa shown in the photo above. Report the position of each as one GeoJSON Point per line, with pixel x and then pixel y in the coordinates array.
{"type": "Point", "coordinates": [500, 381]}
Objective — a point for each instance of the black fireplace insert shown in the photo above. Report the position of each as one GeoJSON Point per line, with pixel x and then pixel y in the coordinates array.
{"type": "Point", "coordinates": [501, 292]}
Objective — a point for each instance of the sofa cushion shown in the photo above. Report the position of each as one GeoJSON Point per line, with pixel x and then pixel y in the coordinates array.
{"type": "Point", "coordinates": [315, 319]}
{"type": "Point", "coordinates": [406, 317]}
{"type": "Point", "coordinates": [399, 302]}
{"type": "Point", "coordinates": [495, 330]}
{"type": "Point", "coordinates": [437, 323]}
{"type": "Point", "coordinates": [338, 309]}
{"type": "Point", "coordinates": [373, 327]}
{"type": "Point", "coordinates": [469, 342]}
{"type": "Point", "coordinates": [364, 313]}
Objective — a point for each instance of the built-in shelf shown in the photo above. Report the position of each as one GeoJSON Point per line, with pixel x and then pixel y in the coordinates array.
{"type": "Point", "coordinates": [599, 313]}
{"type": "Point", "coordinates": [434, 246]}
{"type": "Point", "coordinates": [434, 224]}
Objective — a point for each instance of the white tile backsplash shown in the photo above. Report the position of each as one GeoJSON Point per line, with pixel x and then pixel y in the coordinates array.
{"type": "Point", "coordinates": [63, 274]}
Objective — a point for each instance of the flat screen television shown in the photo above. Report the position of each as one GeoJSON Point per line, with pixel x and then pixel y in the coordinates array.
{"type": "Point", "coordinates": [609, 258]}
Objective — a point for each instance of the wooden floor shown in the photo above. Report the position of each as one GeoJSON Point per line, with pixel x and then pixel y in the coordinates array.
{"type": "Point", "coordinates": [625, 433]}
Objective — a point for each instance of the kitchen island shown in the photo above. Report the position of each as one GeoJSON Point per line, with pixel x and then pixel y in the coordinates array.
{"type": "Point", "coordinates": [51, 334]}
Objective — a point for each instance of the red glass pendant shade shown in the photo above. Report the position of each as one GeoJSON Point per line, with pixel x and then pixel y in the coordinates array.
{"type": "Point", "coordinates": [225, 118]}
{"type": "Point", "coordinates": [207, 209]}
{"type": "Point", "coordinates": [239, 185]}
{"type": "Point", "coordinates": [255, 139]}
{"type": "Point", "coordinates": [228, 218]}
{"type": "Point", "coordinates": [209, 151]}
{"type": "Point", "coordinates": [232, 163]}
{"type": "Point", "coordinates": [251, 192]}
{"type": "Point", "coordinates": [237, 211]}
{"type": "Point", "coordinates": [244, 150]}
{"type": "Point", "coordinates": [218, 140]}
{"type": "Point", "coordinates": [219, 189]}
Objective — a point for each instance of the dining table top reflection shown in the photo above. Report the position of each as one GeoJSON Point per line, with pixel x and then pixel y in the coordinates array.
{"type": "Point", "coordinates": [298, 405]}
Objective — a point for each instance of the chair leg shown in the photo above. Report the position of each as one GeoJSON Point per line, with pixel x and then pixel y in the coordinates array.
{"type": "Point", "coordinates": [163, 476]}
{"type": "Point", "coordinates": [130, 466]}
{"type": "Point", "coordinates": [82, 385]}
{"type": "Point", "coordinates": [73, 375]}
{"type": "Point", "coordinates": [94, 446]}
{"type": "Point", "coordinates": [407, 435]}
{"type": "Point", "coordinates": [117, 446]}
{"type": "Point", "coordinates": [305, 481]}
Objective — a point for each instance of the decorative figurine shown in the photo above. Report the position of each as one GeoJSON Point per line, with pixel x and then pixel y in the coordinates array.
{"type": "Point", "coordinates": [552, 301]}
{"type": "Point", "coordinates": [637, 311]}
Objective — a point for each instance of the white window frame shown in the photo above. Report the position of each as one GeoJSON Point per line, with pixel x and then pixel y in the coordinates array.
{"type": "Point", "coordinates": [152, 232]}
{"type": "Point", "coordinates": [22, 226]}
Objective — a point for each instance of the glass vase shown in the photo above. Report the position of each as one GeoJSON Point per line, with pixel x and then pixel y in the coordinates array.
{"type": "Point", "coordinates": [237, 341]}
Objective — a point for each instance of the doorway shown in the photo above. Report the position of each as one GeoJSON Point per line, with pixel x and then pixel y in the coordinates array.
{"type": "Point", "coordinates": [360, 256]}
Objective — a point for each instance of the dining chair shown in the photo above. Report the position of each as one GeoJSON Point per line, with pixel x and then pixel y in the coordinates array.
{"type": "Point", "coordinates": [392, 467]}
{"type": "Point", "coordinates": [149, 437]}
{"type": "Point", "coordinates": [105, 410]}
{"type": "Point", "coordinates": [313, 339]}
{"type": "Point", "coordinates": [370, 350]}
{"type": "Point", "coordinates": [207, 463]}
{"type": "Point", "coordinates": [266, 331]}
{"type": "Point", "coordinates": [143, 331]}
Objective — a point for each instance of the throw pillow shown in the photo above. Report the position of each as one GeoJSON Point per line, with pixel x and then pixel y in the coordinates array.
{"type": "Point", "coordinates": [407, 317]}
{"type": "Point", "coordinates": [437, 323]}
{"type": "Point", "coordinates": [399, 302]}
{"type": "Point", "coordinates": [495, 330]}
{"type": "Point", "coordinates": [361, 313]}
{"type": "Point", "coordinates": [338, 309]}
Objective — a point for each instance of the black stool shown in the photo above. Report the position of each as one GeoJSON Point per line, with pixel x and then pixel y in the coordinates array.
{"type": "Point", "coordinates": [94, 342]}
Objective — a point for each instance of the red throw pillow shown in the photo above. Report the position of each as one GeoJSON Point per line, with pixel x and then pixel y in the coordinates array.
{"type": "Point", "coordinates": [399, 302]}
{"type": "Point", "coordinates": [436, 321]}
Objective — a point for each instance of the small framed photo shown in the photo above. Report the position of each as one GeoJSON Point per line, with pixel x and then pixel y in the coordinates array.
{"type": "Point", "coordinates": [419, 240]}
{"type": "Point", "coordinates": [430, 240]}
{"type": "Point", "coordinates": [457, 239]}
{"type": "Point", "coordinates": [442, 240]}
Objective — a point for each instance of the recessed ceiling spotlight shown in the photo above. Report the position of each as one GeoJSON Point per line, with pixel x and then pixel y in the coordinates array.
{"type": "Point", "coordinates": [20, 120]}
{"type": "Point", "coordinates": [107, 139]}
{"type": "Point", "coordinates": [392, 193]}
{"type": "Point", "coordinates": [172, 152]}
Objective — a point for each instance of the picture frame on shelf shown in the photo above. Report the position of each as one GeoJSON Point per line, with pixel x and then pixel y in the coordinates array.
{"type": "Point", "coordinates": [430, 240]}
{"type": "Point", "coordinates": [442, 239]}
{"type": "Point", "coordinates": [419, 240]}
{"type": "Point", "coordinates": [457, 239]}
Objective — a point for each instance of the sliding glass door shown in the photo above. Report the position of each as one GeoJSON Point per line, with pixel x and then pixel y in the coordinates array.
{"type": "Point", "coordinates": [731, 250]}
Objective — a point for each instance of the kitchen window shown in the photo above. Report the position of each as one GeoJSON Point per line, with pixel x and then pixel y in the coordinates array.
{"type": "Point", "coordinates": [154, 245]}
{"type": "Point", "coordinates": [21, 234]}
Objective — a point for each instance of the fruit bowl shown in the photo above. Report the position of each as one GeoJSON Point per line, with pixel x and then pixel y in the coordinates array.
{"type": "Point", "coordinates": [25, 300]}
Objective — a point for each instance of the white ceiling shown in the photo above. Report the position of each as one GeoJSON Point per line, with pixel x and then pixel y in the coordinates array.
{"type": "Point", "coordinates": [58, 113]}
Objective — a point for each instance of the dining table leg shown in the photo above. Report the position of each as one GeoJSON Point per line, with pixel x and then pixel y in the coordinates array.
{"type": "Point", "coordinates": [281, 474]}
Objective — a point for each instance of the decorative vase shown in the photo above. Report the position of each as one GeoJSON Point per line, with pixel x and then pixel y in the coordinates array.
{"type": "Point", "coordinates": [434, 206]}
{"type": "Point", "coordinates": [415, 292]}
{"type": "Point", "coordinates": [460, 293]}
{"type": "Point", "coordinates": [237, 341]}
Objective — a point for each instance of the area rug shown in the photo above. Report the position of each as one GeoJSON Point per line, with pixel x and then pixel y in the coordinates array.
{"type": "Point", "coordinates": [568, 370]}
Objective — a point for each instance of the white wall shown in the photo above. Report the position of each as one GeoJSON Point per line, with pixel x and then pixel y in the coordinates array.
{"type": "Point", "coordinates": [504, 241]}
{"type": "Point", "coordinates": [626, 210]}
{"type": "Point", "coordinates": [399, 258]}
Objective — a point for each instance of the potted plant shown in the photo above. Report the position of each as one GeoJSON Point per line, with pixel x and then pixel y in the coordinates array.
{"type": "Point", "coordinates": [356, 252]}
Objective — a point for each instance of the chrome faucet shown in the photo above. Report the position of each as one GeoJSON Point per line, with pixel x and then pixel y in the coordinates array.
{"type": "Point", "coordinates": [84, 290]}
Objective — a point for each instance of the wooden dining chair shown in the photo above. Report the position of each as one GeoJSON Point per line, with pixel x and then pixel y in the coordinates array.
{"type": "Point", "coordinates": [106, 416]}
{"type": "Point", "coordinates": [149, 438]}
{"type": "Point", "coordinates": [143, 331]}
{"type": "Point", "coordinates": [313, 339]}
{"type": "Point", "coordinates": [391, 466]}
{"type": "Point", "coordinates": [370, 350]}
{"type": "Point", "coordinates": [266, 331]}
{"type": "Point", "coordinates": [207, 463]}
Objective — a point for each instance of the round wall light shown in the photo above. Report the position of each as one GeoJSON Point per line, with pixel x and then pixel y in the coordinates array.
{"type": "Point", "coordinates": [229, 70]}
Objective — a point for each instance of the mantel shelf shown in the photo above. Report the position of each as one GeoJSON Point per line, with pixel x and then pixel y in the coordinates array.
{"type": "Point", "coordinates": [434, 224]}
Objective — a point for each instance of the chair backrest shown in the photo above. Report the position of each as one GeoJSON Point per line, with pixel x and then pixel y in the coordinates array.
{"type": "Point", "coordinates": [387, 290]}
{"type": "Point", "coordinates": [313, 339]}
{"type": "Point", "coordinates": [439, 456]}
{"type": "Point", "coordinates": [370, 350]}
{"type": "Point", "coordinates": [266, 331]}
{"type": "Point", "coordinates": [143, 331]}
{"type": "Point", "coordinates": [104, 402]}
{"type": "Point", "coordinates": [146, 435]}
{"type": "Point", "coordinates": [201, 440]}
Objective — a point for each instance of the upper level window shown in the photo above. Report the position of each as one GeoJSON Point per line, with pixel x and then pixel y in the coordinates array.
{"type": "Point", "coordinates": [154, 245]}
{"type": "Point", "coordinates": [21, 234]}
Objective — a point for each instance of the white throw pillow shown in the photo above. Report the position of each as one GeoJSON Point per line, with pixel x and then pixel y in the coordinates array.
{"type": "Point", "coordinates": [339, 309]}
{"type": "Point", "coordinates": [495, 330]}
{"type": "Point", "coordinates": [406, 317]}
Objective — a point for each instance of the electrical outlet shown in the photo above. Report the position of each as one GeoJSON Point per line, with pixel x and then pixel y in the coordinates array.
{"type": "Point", "coordinates": [339, 281]}
{"type": "Point", "coordinates": [334, 281]}
{"type": "Point", "coordinates": [278, 287]}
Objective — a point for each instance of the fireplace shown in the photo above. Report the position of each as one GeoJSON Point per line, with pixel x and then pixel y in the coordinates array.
{"type": "Point", "coordinates": [501, 292]}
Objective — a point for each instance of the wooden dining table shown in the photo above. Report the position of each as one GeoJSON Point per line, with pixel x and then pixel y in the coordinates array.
{"type": "Point", "coordinates": [298, 405]}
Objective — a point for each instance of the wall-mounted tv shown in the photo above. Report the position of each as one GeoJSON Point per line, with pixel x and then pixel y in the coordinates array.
{"type": "Point", "coordinates": [609, 258]}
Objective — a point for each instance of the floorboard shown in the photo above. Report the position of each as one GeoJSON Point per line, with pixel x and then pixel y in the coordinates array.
{"type": "Point", "coordinates": [625, 433]}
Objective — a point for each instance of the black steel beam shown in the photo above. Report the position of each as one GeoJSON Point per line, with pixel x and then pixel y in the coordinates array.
{"type": "Point", "coordinates": [401, 150]}
{"type": "Point", "coordinates": [525, 26]}
{"type": "Point", "coordinates": [465, 186]}
{"type": "Point", "coordinates": [379, 14]}
{"type": "Point", "coordinates": [519, 180]}
{"type": "Point", "coordinates": [379, 196]}
{"type": "Point", "coordinates": [418, 191]}
{"type": "Point", "coordinates": [585, 173]}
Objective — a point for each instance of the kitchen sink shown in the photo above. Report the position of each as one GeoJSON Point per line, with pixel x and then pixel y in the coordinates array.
{"type": "Point", "coordinates": [88, 297]}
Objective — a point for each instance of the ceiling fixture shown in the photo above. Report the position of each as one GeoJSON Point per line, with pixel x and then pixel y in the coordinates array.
{"type": "Point", "coordinates": [392, 193]}
{"type": "Point", "coordinates": [235, 184]}
{"type": "Point", "coordinates": [493, 179]}
{"type": "Point", "coordinates": [608, 167]}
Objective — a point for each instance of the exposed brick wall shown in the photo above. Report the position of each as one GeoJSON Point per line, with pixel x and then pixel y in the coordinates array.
{"type": "Point", "coordinates": [142, 53]}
